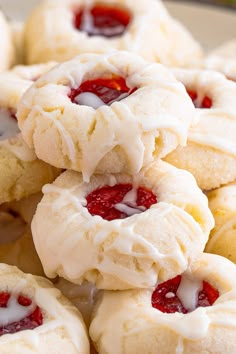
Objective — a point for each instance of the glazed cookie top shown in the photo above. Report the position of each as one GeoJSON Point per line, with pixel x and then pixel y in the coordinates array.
{"type": "Point", "coordinates": [6, 44]}
{"type": "Point", "coordinates": [83, 26]}
{"type": "Point", "coordinates": [223, 59]}
{"type": "Point", "coordinates": [189, 307]}
{"type": "Point", "coordinates": [90, 101]}
{"type": "Point", "coordinates": [214, 98]}
{"type": "Point", "coordinates": [30, 302]}
{"type": "Point", "coordinates": [116, 231]}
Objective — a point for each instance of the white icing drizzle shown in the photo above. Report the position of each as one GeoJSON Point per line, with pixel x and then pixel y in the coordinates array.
{"type": "Point", "coordinates": [14, 312]}
{"type": "Point", "coordinates": [87, 25]}
{"type": "Point", "coordinates": [128, 205]}
{"type": "Point", "coordinates": [89, 99]}
{"type": "Point", "coordinates": [170, 295]}
{"type": "Point", "coordinates": [8, 125]}
{"type": "Point", "coordinates": [188, 291]}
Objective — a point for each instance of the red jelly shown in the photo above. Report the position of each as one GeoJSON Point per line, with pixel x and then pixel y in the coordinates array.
{"type": "Point", "coordinates": [108, 90]}
{"type": "Point", "coordinates": [205, 103]}
{"type": "Point", "coordinates": [102, 201]}
{"type": "Point", "coordinates": [35, 319]}
{"type": "Point", "coordinates": [102, 20]}
{"type": "Point", "coordinates": [170, 304]}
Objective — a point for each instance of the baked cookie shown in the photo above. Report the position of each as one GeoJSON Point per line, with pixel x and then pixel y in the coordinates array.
{"type": "Point", "coordinates": [36, 318]}
{"type": "Point", "coordinates": [108, 113]}
{"type": "Point", "coordinates": [68, 28]}
{"type": "Point", "coordinates": [29, 72]}
{"type": "Point", "coordinates": [222, 203]}
{"type": "Point", "coordinates": [22, 173]}
{"type": "Point", "coordinates": [210, 153]}
{"type": "Point", "coordinates": [16, 243]}
{"type": "Point", "coordinates": [121, 232]}
{"type": "Point", "coordinates": [6, 44]}
{"type": "Point", "coordinates": [193, 313]}
{"type": "Point", "coordinates": [81, 296]}
{"type": "Point", "coordinates": [223, 59]}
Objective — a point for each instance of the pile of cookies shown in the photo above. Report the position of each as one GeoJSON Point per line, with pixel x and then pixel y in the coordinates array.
{"type": "Point", "coordinates": [117, 155]}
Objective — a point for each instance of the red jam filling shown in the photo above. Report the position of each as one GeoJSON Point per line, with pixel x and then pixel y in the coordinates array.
{"type": "Point", "coordinates": [205, 103]}
{"type": "Point", "coordinates": [108, 90]}
{"type": "Point", "coordinates": [103, 201]}
{"type": "Point", "coordinates": [35, 319]}
{"type": "Point", "coordinates": [170, 304]}
{"type": "Point", "coordinates": [102, 20]}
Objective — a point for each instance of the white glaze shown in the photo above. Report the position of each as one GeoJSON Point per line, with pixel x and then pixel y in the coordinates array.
{"type": "Point", "coordinates": [8, 125]}
{"type": "Point", "coordinates": [188, 291]}
{"type": "Point", "coordinates": [14, 312]}
{"type": "Point", "coordinates": [129, 204]}
{"type": "Point", "coordinates": [89, 99]}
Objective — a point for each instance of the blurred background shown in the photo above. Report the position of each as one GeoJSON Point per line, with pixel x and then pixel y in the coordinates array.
{"type": "Point", "coordinates": [227, 3]}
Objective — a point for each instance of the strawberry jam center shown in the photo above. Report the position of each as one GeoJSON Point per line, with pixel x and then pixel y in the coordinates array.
{"type": "Point", "coordinates": [206, 102]}
{"type": "Point", "coordinates": [102, 91]}
{"type": "Point", "coordinates": [168, 298]}
{"type": "Point", "coordinates": [14, 307]}
{"type": "Point", "coordinates": [102, 20]}
{"type": "Point", "coordinates": [119, 201]}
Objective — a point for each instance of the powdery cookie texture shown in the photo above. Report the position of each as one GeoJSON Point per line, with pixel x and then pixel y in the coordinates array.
{"type": "Point", "coordinates": [210, 153]}
{"type": "Point", "coordinates": [119, 232]}
{"type": "Point", "coordinates": [108, 113]}
{"type": "Point", "coordinates": [222, 203]}
{"type": "Point", "coordinates": [68, 28]}
{"type": "Point", "coordinates": [223, 59]}
{"type": "Point", "coordinates": [36, 318]}
{"type": "Point", "coordinates": [192, 313]}
{"type": "Point", "coordinates": [22, 173]}
{"type": "Point", "coordinates": [7, 55]}
{"type": "Point", "coordinates": [16, 242]}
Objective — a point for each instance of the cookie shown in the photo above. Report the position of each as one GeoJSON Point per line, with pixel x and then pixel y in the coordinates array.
{"type": "Point", "coordinates": [223, 236]}
{"type": "Point", "coordinates": [210, 153]}
{"type": "Point", "coordinates": [120, 232]}
{"type": "Point", "coordinates": [68, 28]}
{"type": "Point", "coordinates": [6, 44]}
{"type": "Point", "coordinates": [109, 113]}
{"type": "Point", "coordinates": [193, 313]}
{"type": "Point", "coordinates": [223, 59]}
{"type": "Point", "coordinates": [22, 173]}
{"type": "Point", "coordinates": [36, 318]}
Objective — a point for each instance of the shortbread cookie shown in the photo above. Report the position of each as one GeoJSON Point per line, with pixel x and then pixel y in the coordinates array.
{"type": "Point", "coordinates": [223, 59]}
{"type": "Point", "coordinates": [222, 203]}
{"type": "Point", "coordinates": [81, 296]}
{"type": "Point", "coordinates": [210, 154]}
{"type": "Point", "coordinates": [112, 113]}
{"type": "Point", "coordinates": [119, 232]}
{"type": "Point", "coordinates": [16, 243]}
{"type": "Point", "coordinates": [36, 318]}
{"type": "Point", "coordinates": [7, 55]}
{"type": "Point", "coordinates": [193, 313]}
{"type": "Point", "coordinates": [67, 28]}
{"type": "Point", "coordinates": [22, 173]}
{"type": "Point", "coordinates": [17, 30]}
{"type": "Point", "coordinates": [29, 72]}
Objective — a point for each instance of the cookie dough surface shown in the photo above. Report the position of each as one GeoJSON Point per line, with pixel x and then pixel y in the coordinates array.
{"type": "Point", "coordinates": [142, 329]}
{"type": "Point", "coordinates": [222, 239]}
{"type": "Point", "coordinates": [151, 33]}
{"type": "Point", "coordinates": [210, 153]}
{"type": "Point", "coordinates": [7, 55]}
{"type": "Point", "coordinates": [62, 330]}
{"type": "Point", "coordinates": [121, 137]}
{"type": "Point", "coordinates": [125, 253]}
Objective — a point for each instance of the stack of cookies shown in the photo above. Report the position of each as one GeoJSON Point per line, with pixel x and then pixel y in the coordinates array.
{"type": "Point", "coordinates": [109, 158]}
